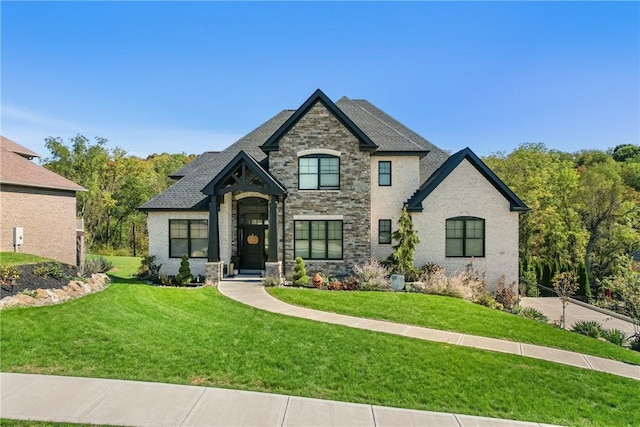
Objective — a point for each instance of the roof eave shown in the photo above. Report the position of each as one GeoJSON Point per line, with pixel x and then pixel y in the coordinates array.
{"type": "Point", "coordinates": [46, 187]}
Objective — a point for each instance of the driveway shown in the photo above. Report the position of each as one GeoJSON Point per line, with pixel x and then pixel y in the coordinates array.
{"type": "Point", "coordinates": [552, 308]}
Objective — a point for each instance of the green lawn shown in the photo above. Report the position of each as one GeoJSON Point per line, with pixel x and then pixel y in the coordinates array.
{"type": "Point", "coordinates": [450, 314]}
{"type": "Point", "coordinates": [124, 268]}
{"type": "Point", "coordinates": [14, 258]}
{"type": "Point", "coordinates": [197, 336]}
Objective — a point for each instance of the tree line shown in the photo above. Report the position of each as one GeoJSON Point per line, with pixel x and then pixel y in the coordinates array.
{"type": "Point", "coordinates": [584, 217]}
{"type": "Point", "coordinates": [117, 184]}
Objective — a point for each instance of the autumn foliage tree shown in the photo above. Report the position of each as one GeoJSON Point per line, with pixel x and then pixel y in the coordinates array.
{"type": "Point", "coordinates": [116, 185]}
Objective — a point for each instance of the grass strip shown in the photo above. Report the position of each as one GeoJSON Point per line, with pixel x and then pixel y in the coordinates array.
{"type": "Point", "coordinates": [199, 337]}
{"type": "Point", "coordinates": [18, 258]}
{"type": "Point", "coordinates": [451, 314]}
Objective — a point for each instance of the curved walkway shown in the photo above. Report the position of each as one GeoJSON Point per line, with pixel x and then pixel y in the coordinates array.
{"type": "Point", "coordinates": [249, 291]}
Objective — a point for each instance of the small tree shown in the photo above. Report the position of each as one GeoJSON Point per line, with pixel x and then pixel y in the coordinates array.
{"type": "Point", "coordinates": [626, 284]}
{"type": "Point", "coordinates": [401, 260]}
{"type": "Point", "coordinates": [300, 277]}
{"type": "Point", "coordinates": [184, 272]}
{"type": "Point", "coordinates": [565, 285]}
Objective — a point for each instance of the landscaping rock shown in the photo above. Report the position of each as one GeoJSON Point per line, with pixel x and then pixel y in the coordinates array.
{"type": "Point", "coordinates": [25, 300]}
{"type": "Point", "coordinates": [61, 294]}
{"type": "Point", "coordinates": [41, 294]}
{"type": "Point", "coordinates": [74, 289]}
{"type": "Point", "coordinates": [8, 302]}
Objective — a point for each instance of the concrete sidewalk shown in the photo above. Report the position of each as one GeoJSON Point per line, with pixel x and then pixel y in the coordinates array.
{"type": "Point", "coordinates": [133, 403]}
{"type": "Point", "coordinates": [249, 290]}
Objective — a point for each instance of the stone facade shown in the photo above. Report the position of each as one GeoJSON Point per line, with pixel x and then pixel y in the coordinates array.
{"type": "Point", "coordinates": [320, 130]}
{"type": "Point", "coordinates": [465, 192]}
{"type": "Point", "coordinates": [48, 217]}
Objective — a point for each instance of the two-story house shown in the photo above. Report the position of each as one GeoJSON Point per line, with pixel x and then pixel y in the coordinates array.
{"type": "Point", "coordinates": [328, 182]}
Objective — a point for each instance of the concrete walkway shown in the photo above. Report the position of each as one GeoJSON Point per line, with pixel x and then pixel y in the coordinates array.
{"type": "Point", "coordinates": [251, 292]}
{"type": "Point", "coordinates": [133, 403]}
{"type": "Point", "coordinates": [552, 308]}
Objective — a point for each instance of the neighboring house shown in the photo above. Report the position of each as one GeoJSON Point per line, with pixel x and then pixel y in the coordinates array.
{"type": "Point", "coordinates": [39, 203]}
{"type": "Point", "coordinates": [327, 182]}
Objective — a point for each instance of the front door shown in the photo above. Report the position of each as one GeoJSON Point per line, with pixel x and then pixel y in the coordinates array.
{"type": "Point", "coordinates": [252, 223]}
{"type": "Point", "coordinates": [252, 248]}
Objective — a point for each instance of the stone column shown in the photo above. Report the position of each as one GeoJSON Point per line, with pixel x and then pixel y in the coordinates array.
{"type": "Point", "coordinates": [273, 269]}
{"type": "Point", "coordinates": [213, 272]}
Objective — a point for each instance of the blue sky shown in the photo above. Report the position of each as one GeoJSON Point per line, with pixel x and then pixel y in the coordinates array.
{"type": "Point", "coordinates": [190, 77]}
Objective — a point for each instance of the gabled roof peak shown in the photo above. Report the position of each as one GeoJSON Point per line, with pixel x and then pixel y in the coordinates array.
{"type": "Point", "coordinates": [415, 202]}
{"type": "Point", "coordinates": [318, 96]}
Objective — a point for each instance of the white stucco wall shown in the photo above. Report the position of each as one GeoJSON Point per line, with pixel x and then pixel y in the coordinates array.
{"type": "Point", "coordinates": [465, 192]}
{"type": "Point", "coordinates": [387, 202]}
{"type": "Point", "coordinates": [158, 226]}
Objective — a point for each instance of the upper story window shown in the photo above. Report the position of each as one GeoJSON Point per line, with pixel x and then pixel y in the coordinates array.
{"type": "Point", "coordinates": [384, 173]}
{"type": "Point", "coordinates": [465, 237]}
{"type": "Point", "coordinates": [188, 237]}
{"type": "Point", "coordinates": [319, 172]}
{"type": "Point", "coordinates": [384, 231]}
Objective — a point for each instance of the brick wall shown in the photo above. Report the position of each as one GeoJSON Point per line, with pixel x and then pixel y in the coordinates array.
{"type": "Point", "coordinates": [158, 226]}
{"type": "Point", "coordinates": [48, 218]}
{"type": "Point", "coordinates": [387, 202]}
{"type": "Point", "coordinates": [465, 192]}
{"type": "Point", "coordinates": [319, 130]}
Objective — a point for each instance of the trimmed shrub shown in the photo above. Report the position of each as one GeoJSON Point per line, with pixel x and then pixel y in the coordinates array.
{"type": "Point", "coordinates": [634, 344]}
{"type": "Point", "coordinates": [184, 272]}
{"type": "Point", "coordinates": [300, 277]}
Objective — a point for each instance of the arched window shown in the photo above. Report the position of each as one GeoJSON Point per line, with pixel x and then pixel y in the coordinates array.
{"type": "Point", "coordinates": [465, 237]}
{"type": "Point", "coordinates": [319, 172]}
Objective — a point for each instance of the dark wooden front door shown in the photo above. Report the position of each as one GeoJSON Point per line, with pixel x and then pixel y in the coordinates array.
{"type": "Point", "coordinates": [252, 248]}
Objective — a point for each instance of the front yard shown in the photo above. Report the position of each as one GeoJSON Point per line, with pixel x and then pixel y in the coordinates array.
{"type": "Point", "coordinates": [197, 336]}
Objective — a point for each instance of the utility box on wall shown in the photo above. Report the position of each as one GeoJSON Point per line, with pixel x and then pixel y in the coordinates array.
{"type": "Point", "coordinates": [18, 236]}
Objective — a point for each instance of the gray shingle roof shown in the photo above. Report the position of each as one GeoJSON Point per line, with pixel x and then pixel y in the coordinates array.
{"type": "Point", "coordinates": [390, 135]}
{"type": "Point", "coordinates": [194, 164]}
{"type": "Point", "coordinates": [187, 192]}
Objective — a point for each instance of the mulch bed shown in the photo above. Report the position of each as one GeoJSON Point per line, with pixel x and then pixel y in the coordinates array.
{"type": "Point", "coordinates": [31, 281]}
